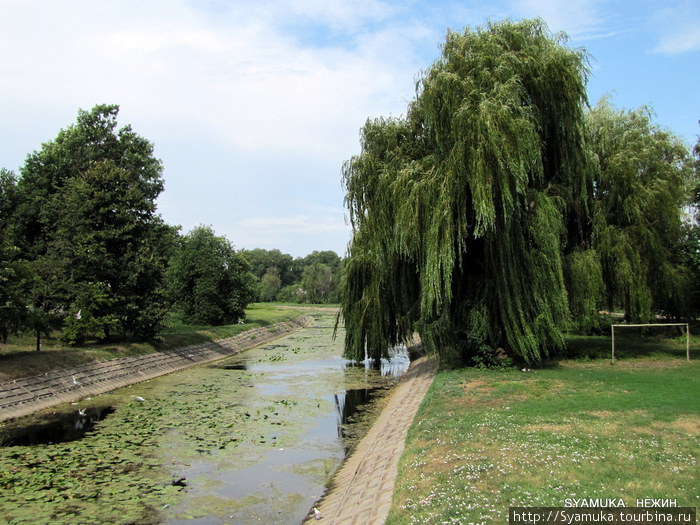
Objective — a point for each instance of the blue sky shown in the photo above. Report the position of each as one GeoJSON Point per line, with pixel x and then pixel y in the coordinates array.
{"type": "Point", "coordinates": [254, 105]}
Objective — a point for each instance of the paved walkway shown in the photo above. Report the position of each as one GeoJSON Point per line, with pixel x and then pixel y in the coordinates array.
{"type": "Point", "coordinates": [362, 489]}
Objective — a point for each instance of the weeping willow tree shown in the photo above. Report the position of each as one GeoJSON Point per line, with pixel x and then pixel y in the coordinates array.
{"type": "Point", "coordinates": [642, 181]}
{"type": "Point", "coordinates": [460, 210]}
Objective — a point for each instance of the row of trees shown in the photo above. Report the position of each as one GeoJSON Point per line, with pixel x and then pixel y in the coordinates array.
{"type": "Point", "coordinates": [502, 209]}
{"type": "Point", "coordinates": [82, 248]}
{"type": "Point", "coordinates": [311, 279]}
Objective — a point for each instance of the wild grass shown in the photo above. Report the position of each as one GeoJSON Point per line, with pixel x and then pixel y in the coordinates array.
{"type": "Point", "coordinates": [485, 440]}
{"type": "Point", "coordinates": [19, 358]}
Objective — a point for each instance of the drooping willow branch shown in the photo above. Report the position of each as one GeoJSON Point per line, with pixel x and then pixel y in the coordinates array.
{"type": "Point", "coordinates": [459, 209]}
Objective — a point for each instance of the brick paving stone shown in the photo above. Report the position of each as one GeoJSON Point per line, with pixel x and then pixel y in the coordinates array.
{"type": "Point", "coordinates": [361, 491]}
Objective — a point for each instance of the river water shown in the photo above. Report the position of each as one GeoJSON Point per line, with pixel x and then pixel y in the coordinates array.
{"type": "Point", "coordinates": [250, 439]}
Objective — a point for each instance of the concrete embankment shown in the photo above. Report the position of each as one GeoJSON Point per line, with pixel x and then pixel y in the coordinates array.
{"type": "Point", "coordinates": [26, 395]}
{"type": "Point", "coordinates": [361, 491]}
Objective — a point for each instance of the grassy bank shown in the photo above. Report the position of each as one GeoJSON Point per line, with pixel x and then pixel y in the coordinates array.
{"type": "Point", "coordinates": [19, 358]}
{"type": "Point", "coordinates": [485, 440]}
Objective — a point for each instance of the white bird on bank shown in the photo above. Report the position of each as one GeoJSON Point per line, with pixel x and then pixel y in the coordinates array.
{"type": "Point", "coordinates": [317, 514]}
{"type": "Point", "coordinates": [139, 399]}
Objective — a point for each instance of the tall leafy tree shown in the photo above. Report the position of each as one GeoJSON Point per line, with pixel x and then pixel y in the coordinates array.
{"type": "Point", "coordinates": [695, 185]}
{"type": "Point", "coordinates": [86, 219]}
{"type": "Point", "coordinates": [642, 177]}
{"type": "Point", "coordinates": [317, 281]}
{"type": "Point", "coordinates": [460, 210]}
{"type": "Point", "coordinates": [270, 284]}
{"type": "Point", "coordinates": [690, 251]}
{"type": "Point", "coordinates": [14, 273]}
{"type": "Point", "coordinates": [208, 280]}
{"type": "Point", "coordinates": [116, 250]}
{"type": "Point", "coordinates": [8, 199]}
{"type": "Point", "coordinates": [262, 260]}
{"type": "Point", "coordinates": [321, 276]}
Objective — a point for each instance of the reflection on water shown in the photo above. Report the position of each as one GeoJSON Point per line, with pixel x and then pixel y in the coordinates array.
{"type": "Point", "coordinates": [396, 365]}
{"type": "Point", "coordinates": [61, 428]}
{"type": "Point", "coordinates": [324, 393]}
{"type": "Point", "coordinates": [347, 405]}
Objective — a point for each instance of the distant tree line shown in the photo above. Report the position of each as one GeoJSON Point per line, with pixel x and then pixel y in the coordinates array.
{"type": "Point", "coordinates": [311, 279]}
{"type": "Point", "coordinates": [503, 209]}
{"type": "Point", "coordinates": [83, 250]}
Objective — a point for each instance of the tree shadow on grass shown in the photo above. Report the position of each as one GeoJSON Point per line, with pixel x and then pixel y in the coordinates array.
{"type": "Point", "coordinates": [660, 343]}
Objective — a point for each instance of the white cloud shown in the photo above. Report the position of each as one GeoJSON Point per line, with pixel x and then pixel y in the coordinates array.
{"type": "Point", "coordinates": [674, 27]}
{"type": "Point", "coordinates": [684, 38]}
{"type": "Point", "coordinates": [578, 18]}
{"type": "Point", "coordinates": [254, 84]}
{"type": "Point", "coordinates": [296, 234]}
{"type": "Point", "coordinates": [247, 98]}
{"type": "Point", "coordinates": [298, 223]}
{"type": "Point", "coordinates": [341, 15]}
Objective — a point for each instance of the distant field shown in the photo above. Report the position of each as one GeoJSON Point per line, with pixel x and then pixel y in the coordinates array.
{"type": "Point", "coordinates": [485, 440]}
{"type": "Point", "coordinates": [20, 358]}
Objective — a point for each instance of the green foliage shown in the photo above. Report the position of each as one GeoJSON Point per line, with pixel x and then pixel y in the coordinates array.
{"type": "Point", "coordinates": [695, 184]}
{"type": "Point", "coordinates": [92, 140]}
{"type": "Point", "coordinates": [641, 176]}
{"type": "Point", "coordinates": [586, 289]}
{"type": "Point", "coordinates": [311, 279]}
{"type": "Point", "coordinates": [86, 221]}
{"type": "Point", "coordinates": [14, 281]}
{"type": "Point", "coordinates": [14, 273]}
{"type": "Point", "coordinates": [208, 280]}
{"type": "Point", "coordinates": [690, 243]}
{"type": "Point", "coordinates": [93, 307]}
{"type": "Point", "coordinates": [690, 258]}
{"type": "Point", "coordinates": [8, 199]}
{"type": "Point", "coordinates": [293, 293]}
{"type": "Point", "coordinates": [461, 205]}
{"type": "Point", "coordinates": [318, 280]}
{"type": "Point", "coordinates": [270, 284]}
{"type": "Point", "coordinates": [262, 260]}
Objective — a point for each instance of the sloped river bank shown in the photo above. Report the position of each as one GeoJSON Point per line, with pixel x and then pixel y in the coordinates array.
{"type": "Point", "coordinates": [250, 439]}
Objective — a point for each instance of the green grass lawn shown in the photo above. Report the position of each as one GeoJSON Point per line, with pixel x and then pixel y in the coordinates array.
{"type": "Point", "coordinates": [19, 358]}
{"type": "Point", "coordinates": [484, 440]}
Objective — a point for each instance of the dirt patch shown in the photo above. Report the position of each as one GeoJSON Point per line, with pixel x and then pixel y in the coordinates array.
{"type": "Point", "coordinates": [602, 414]}
{"type": "Point", "coordinates": [626, 364]}
{"type": "Point", "coordinates": [651, 363]}
{"type": "Point", "coordinates": [477, 386]}
{"type": "Point", "coordinates": [540, 387]}
{"type": "Point", "coordinates": [477, 392]}
{"type": "Point", "coordinates": [689, 424]}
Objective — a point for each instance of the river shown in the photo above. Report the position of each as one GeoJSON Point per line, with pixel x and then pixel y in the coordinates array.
{"type": "Point", "coordinates": [250, 439]}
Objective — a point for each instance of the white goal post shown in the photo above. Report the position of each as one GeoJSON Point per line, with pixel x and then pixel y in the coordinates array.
{"type": "Point", "coordinates": [687, 334]}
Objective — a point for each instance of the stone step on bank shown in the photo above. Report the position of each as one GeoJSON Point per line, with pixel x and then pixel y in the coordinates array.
{"type": "Point", "coordinates": [24, 396]}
